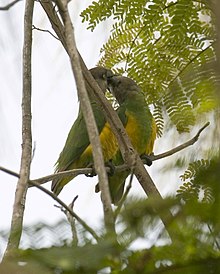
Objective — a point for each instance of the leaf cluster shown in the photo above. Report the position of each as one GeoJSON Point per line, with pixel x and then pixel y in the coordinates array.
{"type": "Point", "coordinates": [193, 251]}
{"type": "Point", "coordinates": [192, 188]}
{"type": "Point", "coordinates": [196, 226]}
{"type": "Point", "coordinates": [168, 48]}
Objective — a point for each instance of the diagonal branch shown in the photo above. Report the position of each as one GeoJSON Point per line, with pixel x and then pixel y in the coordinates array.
{"type": "Point", "coordinates": [7, 7]}
{"type": "Point", "coordinates": [67, 208]}
{"type": "Point", "coordinates": [22, 185]}
{"type": "Point", "coordinates": [130, 156]}
{"type": "Point", "coordinates": [75, 172]}
{"type": "Point", "coordinates": [180, 147]}
{"type": "Point", "coordinates": [36, 183]}
{"type": "Point", "coordinates": [10, 172]}
{"type": "Point", "coordinates": [45, 30]}
{"type": "Point", "coordinates": [88, 116]}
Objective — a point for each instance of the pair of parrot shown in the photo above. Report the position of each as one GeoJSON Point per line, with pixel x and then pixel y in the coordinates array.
{"type": "Point", "coordinates": [136, 118]}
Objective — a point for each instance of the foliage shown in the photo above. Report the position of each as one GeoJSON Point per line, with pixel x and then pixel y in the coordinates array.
{"type": "Point", "coordinates": [167, 47]}
{"type": "Point", "coordinates": [192, 189]}
{"type": "Point", "coordinates": [194, 250]}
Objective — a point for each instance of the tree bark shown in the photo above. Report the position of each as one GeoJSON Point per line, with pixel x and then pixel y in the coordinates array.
{"type": "Point", "coordinates": [22, 185]}
{"type": "Point", "coordinates": [88, 116]}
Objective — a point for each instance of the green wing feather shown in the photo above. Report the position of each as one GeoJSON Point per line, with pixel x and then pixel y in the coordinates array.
{"type": "Point", "coordinates": [121, 111]}
{"type": "Point", "coordinates": [78, 139]}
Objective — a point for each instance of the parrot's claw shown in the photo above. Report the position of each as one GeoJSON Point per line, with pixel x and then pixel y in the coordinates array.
{"type": "Point", "coordinates": [111, 166]}
{"type": "Point", "coordinates": [146, 159]}
{"type": "Point", "coordinates": [93, 173]}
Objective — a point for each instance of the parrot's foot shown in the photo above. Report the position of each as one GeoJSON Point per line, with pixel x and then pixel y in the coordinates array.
{"type": "Point", "coordinates": [146, 159]}
{"type": "Point", "coordinates": [111, 167]}
{"type": "Point", "coordinates": [93, 173]}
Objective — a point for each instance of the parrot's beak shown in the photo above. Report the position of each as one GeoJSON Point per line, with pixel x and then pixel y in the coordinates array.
{"type": "Point", "coordinates": [113, 81]}
{"type": "Point", "coordinates": [109, 74]}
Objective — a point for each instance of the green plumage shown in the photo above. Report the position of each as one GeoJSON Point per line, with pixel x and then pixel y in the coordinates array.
{"type": "Point", "coordinates": [78, 139]}
{"type": "Point", "coordinates": [138, 122]}
{"type": "Point", "coordinates": [74, 154]}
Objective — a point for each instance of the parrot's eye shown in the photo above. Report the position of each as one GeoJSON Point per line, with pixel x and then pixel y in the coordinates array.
{"type": "Point", "coordinates": [104, 76]}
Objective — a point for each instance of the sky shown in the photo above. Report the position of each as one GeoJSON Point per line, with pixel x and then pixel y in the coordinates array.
{"type": "Point", "coordinates": [54, 109]}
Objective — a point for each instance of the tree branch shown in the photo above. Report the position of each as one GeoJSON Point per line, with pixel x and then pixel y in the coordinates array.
{"type": "Point", "coordinates": [21, 190]}
{"type": "Point", "coordinates": [45, 30]}
{"type": "Point", "coordinates": [72, 222]}
{"type": "Point", "coordinates": [180, 147]}
{"type": "Point", "coordinates": [37, 183]}
{"type": "Point", "coordinates": [10, 172]}
{"type": "Point", "coordinates": [75, 172]}
{"type": "Point", "coordinates": [67, 208]}
{"type": "Point", "coordinates": [123, 167]}
{"type": "Point", "coordinates": [55, 21]}
{"type": "Point", "coordinates": [88, 116]}
{"type": "Point", "coordinates": [130, 156]}
{"type": "Point", "coordinates": [7, 7]}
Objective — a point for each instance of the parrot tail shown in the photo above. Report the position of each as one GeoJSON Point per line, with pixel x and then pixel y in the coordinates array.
{"type": "Point", "coordinates": [116, 186]}
{"type": "Point", "coordinates": [58, 184]}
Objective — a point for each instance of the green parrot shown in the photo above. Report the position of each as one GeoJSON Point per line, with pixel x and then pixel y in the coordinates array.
{"type": "Point", "coordinates": [77, 152]}
{"type": "Point", "coordinates": [138, 122]}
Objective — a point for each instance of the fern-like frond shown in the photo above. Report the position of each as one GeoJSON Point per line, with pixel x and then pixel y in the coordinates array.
{"type": "Point", "coordinates": [129, 10]}
{"type": "Point", "coordinates": [158, 116]}
{"type": "Point", "coordinates": [194, 168]}
{"type": "Point", "coordinates": [167, 48]}
{"type": "Point", "coordinates": [188, 191]}
{"type": "Point", "coordinates": [194, 190]}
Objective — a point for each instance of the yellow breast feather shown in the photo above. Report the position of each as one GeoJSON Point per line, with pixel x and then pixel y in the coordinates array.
{"type": "Point", "coordinates": [109, 145]}
{"type": "Point", "coordinates": [150, 146]}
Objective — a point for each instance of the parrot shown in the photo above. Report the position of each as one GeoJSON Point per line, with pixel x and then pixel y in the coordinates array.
{"type": "Point", "coordinates": [139, 125]}
{"type": "Point", "coordinates": [77, 151]}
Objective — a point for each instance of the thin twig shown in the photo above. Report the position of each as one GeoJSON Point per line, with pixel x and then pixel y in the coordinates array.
{"type": "Point", "coordinates": [118, 168]}
{"type": "Point", "coordinates": [7, 7]}
{"type": "Point", "coordinates": [71, 220]}
{"type": "Point", "coordinates": [123, 167]}
{"type": "Point", "coordinates": [121, 203]}
{"type": "Point", "coordinates": [22, 185]}
{"type": "Point", "coordinates": [72, 223]}
{"type": "Point", "coordinates": [67, 208]}
{"type": "Point", "coordinates": [35, 183]}
{"type": "Point", "coordinates": [45, 30]}
{"type": "Point", "coordinates": [10, 172]}
{"type": "Point", "coordinates": [180, 147]}
{"type": "Point", "coordinates": [63, 174]}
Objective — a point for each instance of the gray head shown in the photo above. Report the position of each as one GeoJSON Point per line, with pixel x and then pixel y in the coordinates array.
{"type": "Point", "coordinates": [122, 87]}
{"type": "Point", "coordinates": [101, 75]}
